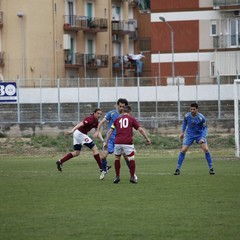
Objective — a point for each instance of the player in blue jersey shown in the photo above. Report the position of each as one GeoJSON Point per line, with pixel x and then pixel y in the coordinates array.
{"type": "Point", "coordinates": [110, 118]}
{"type": "Point", "coordinates": [195, 127]}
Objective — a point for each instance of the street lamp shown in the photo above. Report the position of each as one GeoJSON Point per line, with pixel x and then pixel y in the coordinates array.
{"type": "Point", "coordinates": [21, 16]}
{"type": "Point", "coordinates": [172, 45]}
{"type": "Point", "coordinates": [173, 70]}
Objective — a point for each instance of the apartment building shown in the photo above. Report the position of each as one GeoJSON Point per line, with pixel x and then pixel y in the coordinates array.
{"type": "Point", "coordinates": [195, 40]}
{"type": "Point", "coordinates": [70, 38]}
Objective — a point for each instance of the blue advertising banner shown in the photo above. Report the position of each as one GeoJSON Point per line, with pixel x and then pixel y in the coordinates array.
{"type": "Point", "coordinates": [8, 92]}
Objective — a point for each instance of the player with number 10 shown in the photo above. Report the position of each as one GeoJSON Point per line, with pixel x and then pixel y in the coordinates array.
{"type": "Point", "coordinates": [124, 141]}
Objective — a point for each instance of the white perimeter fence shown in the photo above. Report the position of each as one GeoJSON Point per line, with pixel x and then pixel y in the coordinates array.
{"type": "Point", "coordinates": [74, 93]}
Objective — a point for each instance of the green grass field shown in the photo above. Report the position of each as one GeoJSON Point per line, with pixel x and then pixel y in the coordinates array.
{"type": "Point", "coordinates": [37, 202]}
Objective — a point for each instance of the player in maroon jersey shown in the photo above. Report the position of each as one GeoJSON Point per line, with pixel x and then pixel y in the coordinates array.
{"type": "Point", "coordinates": [81, 138]}
{"type": "Point", "coordinates": [124, 141]}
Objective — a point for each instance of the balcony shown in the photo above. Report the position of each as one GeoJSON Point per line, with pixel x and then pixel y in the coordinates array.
{"type": "Point", "coordinates": [1, 59]}
{"type": "Point", "coordinates": [122, 62]}
{"type": "Point", "coordinates": [226, 4]}
{"type": "Point", "coordinates": [84, 23]}
{"type": "Point", "coordinates": [226, 41]}
{"type": "Point", "coordinates": [1, 19]}
{"type": "Point", "coordinates": [124, 27]}
{"type": "Point", "coordinates": [73, 60]}
{"type": "Point", "coordinates": [93, 61]}
{"type": "Point", "coordinates": [133, 35]}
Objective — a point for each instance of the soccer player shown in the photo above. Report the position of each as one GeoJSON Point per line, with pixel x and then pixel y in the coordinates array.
{"type": "Point", "coordinates": [124, 141]}
{"type": "Point", "coordinates": [195, 126]}
{"type": "Point", "coordinates": [81, 138]}
{"type": "Point", "coordinates": [110, 118]}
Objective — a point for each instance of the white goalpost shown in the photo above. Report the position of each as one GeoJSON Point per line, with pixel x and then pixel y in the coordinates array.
{"type": "Point", "coordinates": [236, 115]}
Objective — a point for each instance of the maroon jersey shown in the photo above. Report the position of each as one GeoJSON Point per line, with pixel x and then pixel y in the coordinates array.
{"type": "Point", "coordinates": [124, 127]}
{"type": "Point", "coordinates": [89, 123]}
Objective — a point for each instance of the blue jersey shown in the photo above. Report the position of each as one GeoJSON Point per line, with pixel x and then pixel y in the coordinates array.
{"type": "Point", "coordinates": [196, 126]}
{"type": "Point", "coordinates": [111, 116]}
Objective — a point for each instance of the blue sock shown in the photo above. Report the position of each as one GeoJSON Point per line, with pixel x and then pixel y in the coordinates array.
{"type": "Point", "coordinates": [209, 159]}
{"type": "Point", "coordinates": [181, 157]}
{"type": "Point", "coordinates": [104, 165]}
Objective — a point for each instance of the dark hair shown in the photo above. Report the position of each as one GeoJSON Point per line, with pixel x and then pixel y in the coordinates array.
{"type": "Point", "coordinates": [127, 109]}
{"type": "Point", "coordinates": [122, 100]}
{"type": "Point", "coordinates": [97, 109]}
{"type": "Point", "coordinates": [194, 105]}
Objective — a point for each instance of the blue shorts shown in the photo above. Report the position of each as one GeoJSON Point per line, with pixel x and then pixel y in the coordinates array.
{"type": "Point", "coordinates": [189, 140]}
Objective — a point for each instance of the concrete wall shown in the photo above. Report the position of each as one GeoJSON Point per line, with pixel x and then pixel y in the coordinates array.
{"type": "Point", "coordinates": [163, 127]}
{"type": "Point", "coordinates": [164, 121]}
{"type": "Point", "coordinates": [110, 94]}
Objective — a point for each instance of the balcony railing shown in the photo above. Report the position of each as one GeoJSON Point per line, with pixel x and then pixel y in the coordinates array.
{"type": "Point", "coordinates": [76, 23]}
{"type": "Point", "coordinates": [74, 59]}
{"type": "Point", "coordinates": [226, 2]}
{"type": "Point", "coordinates": [226, 41]}
{"type": "Point", "coordinates": [133, 35]}
{"type": "Point", "coordinates": [124, 27]}
{"type": "Point", "coordinates": [1, 19]}
{"type": "Point", "coordinates": [96, 61]}
{"type": "Point", "coordinates": [88, 60]}
{"type": "Point", "coordinates": [1, 58]}
{"type": "Point", "coordinates": [122, 62]}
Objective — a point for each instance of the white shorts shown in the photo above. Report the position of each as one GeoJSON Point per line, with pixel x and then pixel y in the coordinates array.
{"type": "Point", "coordinates": [123, 148]}
{"type": "Point", "coordinates": [80, 138]}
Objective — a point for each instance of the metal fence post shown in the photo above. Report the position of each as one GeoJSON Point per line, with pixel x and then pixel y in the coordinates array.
{"type": "Point", "coordinates": [219, 95]}
{"type": "Point", "coordinates": [41, 112]}
{"type": "Point", "coordinates": [197, 83]}
{"type": "Point", "coordinates": [18, 99]}
{"type": "Point", "coordinates": [116, 85]}
{"type": "Point", "coordinates": [59, 106]}
{"type": "Point", "coordinates": [78, 109]}
{"type": "Point", "coordinates": [179, 111]}
{"type": "Point", "coordinates": [138, 97]}
{"type": "Point", "coordinates": [156, 99]}
{"type": "Point", "coordinates": [159, 69]}
{"type": "Point", "coordinates": [98, 90]}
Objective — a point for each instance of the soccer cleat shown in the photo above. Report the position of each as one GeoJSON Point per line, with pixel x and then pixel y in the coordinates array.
{"type": "Point", "coordinates": [59, 165]}
{"type": "Point", "coordinates": [177, 172]}
{"type": "Point", "coordinates": [135, 176]}
{"type": "Point", "coordinates": [133, 180]}
{"type": "Point", "coordinates": [103, 175]}
{"type": "Point", "coordinates": [116, 180]}
{"type": "Point", "coordinates": [211, 171]}
{"type": "Point", "coordinates": [108, 167]}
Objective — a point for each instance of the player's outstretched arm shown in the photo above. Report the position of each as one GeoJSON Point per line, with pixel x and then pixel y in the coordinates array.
{"type": "Point", "coordinates": [142, 131]}
{"type": "Point", "coordinates": [98, 130]}
{"type": "Point", "coordinates": [100, 136]}
{"type": "Point", "coordinates": [75, 128]}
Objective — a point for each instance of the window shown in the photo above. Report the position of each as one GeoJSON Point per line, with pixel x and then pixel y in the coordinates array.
{"type": "Point", "coordinates": [90, 46]}
{"type": "Point", "coordinates": [116, 13]}
{"type": "Point", "coordinates": [145, 44]}
{"type": "Point", "coordinates": [90, 10]}
{"type": "Point", "coordinates": [213, 31]}
{"type": "Point", "coordinates": [71, 13]}
{"type": "Point", "coordinates": [212, 68]}
{"type": "Point", "coordinates": [235, 32]}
